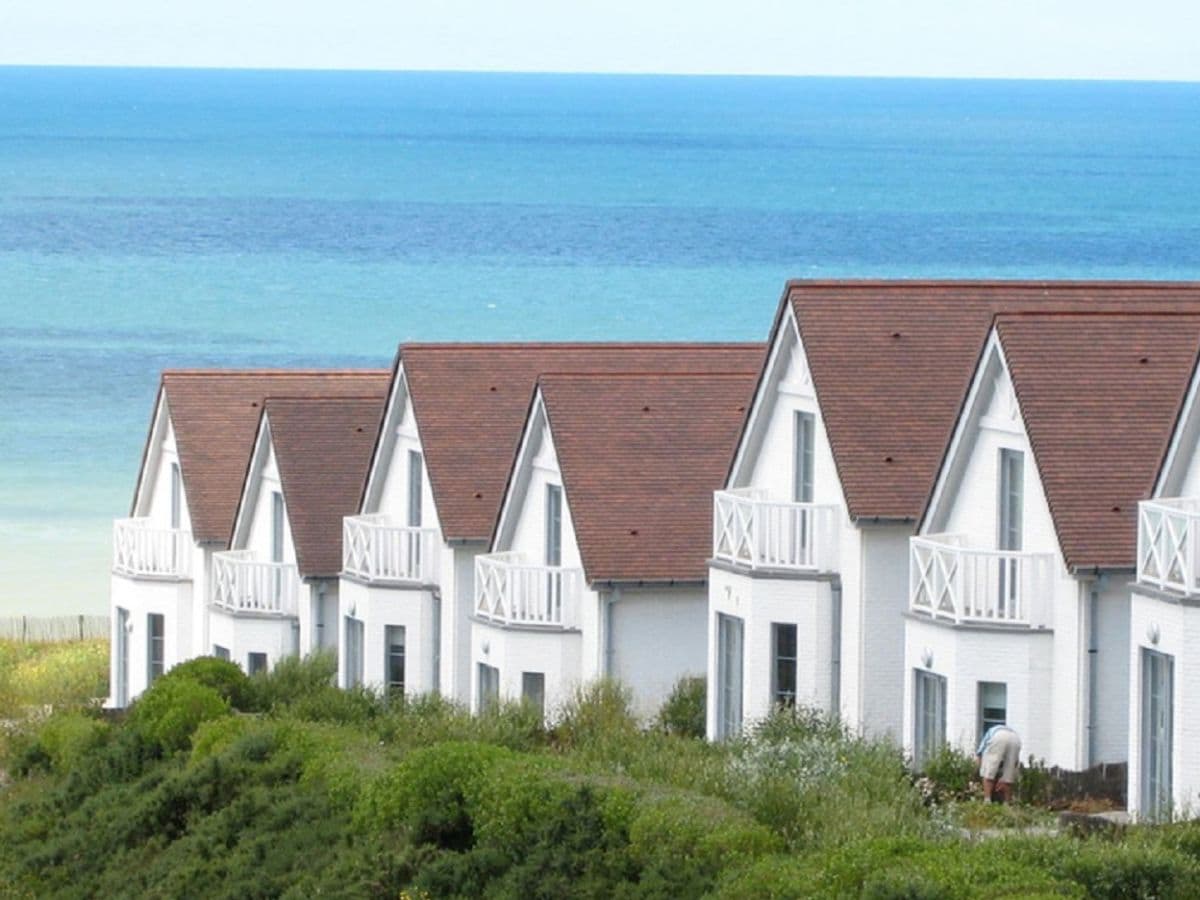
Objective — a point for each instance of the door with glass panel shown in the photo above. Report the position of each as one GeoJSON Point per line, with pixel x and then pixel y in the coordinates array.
{"type": "Point", "coordinates": [277, 545]}
{"type": "Point", "coordinates": [929, 716]}
{"type": "Point", "coordinates": [729, 676]}
{"type": "Point", "coordinates": [416, 478]}
{"type": "Point", "coordinates": [801, 527]}
{"type": "Point", "coordinates": [553, 602]}
{"type": "Point", "coordinates": [1158, 683]}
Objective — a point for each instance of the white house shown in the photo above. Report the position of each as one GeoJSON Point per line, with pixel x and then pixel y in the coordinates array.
{"type": "Point", "coordinates": [1164, 680]}
{"type": "Point", "coordinates": [453, 420]}
{"type": "Point", "coordinates": [858, 397]}
{"type": "Point", "coordinates": [1019, 609]}
{"type": "Point", "coordinates": [597, 566]}
{"type": "Point", "coordinates": [274, 593]}
{"type": "Point", "coordinates": [193, 465]}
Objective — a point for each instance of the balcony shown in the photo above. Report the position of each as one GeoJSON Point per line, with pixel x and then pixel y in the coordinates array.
{"type": "Point", "coordinates": [1168, 532]}
{"type": "Point", "coordinates": [378, 551]}
{"type": "Point", "coordinates": [750, 530]}
{"type": "Point", "coordinates": [144, 550]}
{"type": "Point", "coordinates": [242, 584]}
{"type": "Point", "coordinates": [509, 591]}
{"type": "Point", "coordinates": [966, 585]}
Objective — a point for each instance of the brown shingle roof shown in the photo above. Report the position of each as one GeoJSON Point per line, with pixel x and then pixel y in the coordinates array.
{"type": "Point", "coordinates": [1100, 395]}
{"type": "Point", "coordinates": [215, 416]}
{"type": "Point", "coordinates": [471, 399]}
{"type": "Point", "coordinates": [891, 362]}
{"type": "Point", "coordinates": [641, 456]}
{"type": "Point", "coordinates": [322, 448]}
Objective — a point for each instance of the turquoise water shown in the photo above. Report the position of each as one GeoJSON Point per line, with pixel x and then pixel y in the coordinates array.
{"type": "Point", "coordinates": [179, 218]}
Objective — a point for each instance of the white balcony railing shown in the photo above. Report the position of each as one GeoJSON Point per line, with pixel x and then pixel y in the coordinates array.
{"type": "Point", "coordinates": [1169, 544]}
{"type": "Point", "coordinates": [513, 592]}
{"type": "Point", "coordinates": [750, 530]}
{"type": "Point", "coordinates": [142, 549]}
{"type": "Point", "coordinates": [242, 584]}
{"type": "Point", "coordinates": [376, 550]}
{"type": "Point", "coordinates": [948, 580]}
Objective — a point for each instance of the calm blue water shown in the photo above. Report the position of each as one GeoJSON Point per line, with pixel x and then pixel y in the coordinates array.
{"type": "Point", "coordinates": [172, 218]}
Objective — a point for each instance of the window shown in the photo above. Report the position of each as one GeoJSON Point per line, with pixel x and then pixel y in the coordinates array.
{"type": "Point", "coordinates": [176, 496]}
{"type": "Point", "coordinates": [1157, 721]}
{"type": "Point", "coordinates": [220, 652]}
{"type": "Point", "coordinates": [929, 720]}
{"type": "Point", "coordinates": [255, 663]}
{"type": "Point", "coordinates": [489, 687]}
{"type": "Point", "coordinates": [415, 478]}
{"type": "Point", "coordinates": [783, 665]}
{"type": "Point", "coordinates": [553, 525]}
{"type": "Point", "coordinates": [276, 526]}
{"type": "Point", "coordinates": [729, 676]}
{"type": "Point", "coordinates": [1012, 479]}
{"type": "Point", "coordinates": [393, 663]}
{"type": "Point", "coordinates": [354, 652]}
{"type": "Point", "coordinates": [802, 471]}
{"type": "Point", "coordinates": [155, 630]}
{"type": "Point", "coordinates": [533, 690]}
{"type": "Point", "coordinates": [993, 705]}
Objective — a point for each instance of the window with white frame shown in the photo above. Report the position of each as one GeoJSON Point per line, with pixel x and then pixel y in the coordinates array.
{"type": "Point", "coordinates": [255, 663]}
{"type": "Point", "coordinates": [1009, 525]}
{"type": "Point", "coordinates": [993, 705]}
{"type": "Point", "coordinates": [802, 466]}
{"type": "Point", "coordinates": [416, 478]}
{"type": "Point", "coordinates": [394, 650]}
{"type": "Point", "coordinates": [729, 676]}
{"type": "Point", "coordinates": [533, 690]}
{"type": "Point", "coordinates": [156, 649]}
{"type": "Point", "coordinates": [354, 651]}
{"type": "Point", "coordinates": [783, 664]}
{"type": "Point", "coordinates": [489, 687]}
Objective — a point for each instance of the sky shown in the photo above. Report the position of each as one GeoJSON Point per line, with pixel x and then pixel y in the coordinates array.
{"type": "Point", "coordinates": [1123, 39]}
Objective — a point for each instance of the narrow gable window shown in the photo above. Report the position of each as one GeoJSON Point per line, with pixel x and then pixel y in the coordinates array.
{"type": "Point", "coordinates": [802, 470]}
{"type": "Point", "coordinates": [416, 479]}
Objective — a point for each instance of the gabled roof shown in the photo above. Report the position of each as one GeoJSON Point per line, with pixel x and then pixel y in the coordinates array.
{"type": "Point", "coordinates": [215, 415]}
{"type": "Point", "coordinates": [322, 449]}
{"type": "Point", "coordinates": [1099, 395]}
{"type": "Point", "coordinates": [470, 402]}
{"type": "Point", "coordinates": [891, 362]}
{"type": "Point", "coordinates": [641, 455]}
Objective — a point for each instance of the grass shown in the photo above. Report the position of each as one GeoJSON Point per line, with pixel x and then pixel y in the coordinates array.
{"type": "Point", "coordinates": [283, 785]}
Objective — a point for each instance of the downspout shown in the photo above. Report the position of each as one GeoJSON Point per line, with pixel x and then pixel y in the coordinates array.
{"type": "Point", "coordinates": [436, 596]}
{"type": "Point", "coordinates": [610, 598]}
{"type": "Point", "coordinates": [319, 618]}
{"type": "Point", "coordinates": [835, 699]}
{"type": "Point", "coordinates": [1093, 656]}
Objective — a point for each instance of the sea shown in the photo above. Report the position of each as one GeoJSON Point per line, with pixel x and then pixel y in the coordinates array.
{"type": "Point", "coordinates": [164, 218]}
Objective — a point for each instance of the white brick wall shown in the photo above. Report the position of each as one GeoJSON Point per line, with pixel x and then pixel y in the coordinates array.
{"type": "Point", "coordinates": [377, 607]}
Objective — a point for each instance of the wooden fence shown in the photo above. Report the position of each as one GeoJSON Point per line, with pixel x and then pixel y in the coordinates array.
{"type": "Point", "coordinates": [43, 629]}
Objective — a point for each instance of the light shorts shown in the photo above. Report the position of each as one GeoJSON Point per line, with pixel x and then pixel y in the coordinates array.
{"type": "Point", "coordinates": [1001, 756]}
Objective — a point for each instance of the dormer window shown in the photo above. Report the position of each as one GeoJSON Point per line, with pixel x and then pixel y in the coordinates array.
{"type": "Point", "coordinates": [802, 467]}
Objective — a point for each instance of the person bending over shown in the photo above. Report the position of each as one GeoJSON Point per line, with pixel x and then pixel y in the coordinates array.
{"type": "Point", "coordinates": [997, 756]}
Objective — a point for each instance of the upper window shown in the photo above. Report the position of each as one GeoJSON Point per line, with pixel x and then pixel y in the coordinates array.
{"type": "Point", "coordinates": [1012, 487]}
{"type": "Point", "coordinates": [176, 496]}
{"type": "Point", "coordinates": [276, 526]}
{"type": "Point", "coordinates": [553, 525]}
{"type": "Point", "coordinates": [416, 478]}
{"type": "Point", "coordinates": [802, 468]}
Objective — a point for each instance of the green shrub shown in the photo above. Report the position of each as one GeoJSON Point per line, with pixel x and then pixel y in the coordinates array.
{"type": "Point", "coordinates": [223, 676]}
{"type": "Point", "coordinates": [1035, 783]}
{"type": "Point", "coordinates": [517, 795]}
{"type": "Point", "coordinates": [69, 674]}
{"type": "Point", "coordinates": [67, 738]}
{"type": "Point", "coordinates": [426, 794]}
{"type": "Point", "coordinates": [597, 712]}
{"type": "Point", "coordinates": [171, 710]}
{"type": "Point", "coordinates": [1129, 873]}
{"type": "Point", "coordinates": [682, 842]}
{"type": "Point", "coordinates": [685, 712]}
{"type": "Point", "coordinates": [292, 680]}
{"type": "Point", "coordinates": [951, 774]}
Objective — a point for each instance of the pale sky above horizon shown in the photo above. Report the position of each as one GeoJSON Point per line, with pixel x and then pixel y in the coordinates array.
{"type": "Point", "coordinates": [1152, 39]}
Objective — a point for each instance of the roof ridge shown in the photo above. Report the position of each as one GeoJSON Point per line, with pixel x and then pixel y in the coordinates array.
{"type": "Point", "coordinates": [300, 398]}
{"type": "Point", "coordinates": [277, 372]}
{"type": "Point", "coordinates": [1096, 314]}
{"type": "Point", "coordinates": [1069, 284]}
{"type": "Point", "coordinates": [575, 345]}
{"type": "Point", "coordinates": [732, 373]}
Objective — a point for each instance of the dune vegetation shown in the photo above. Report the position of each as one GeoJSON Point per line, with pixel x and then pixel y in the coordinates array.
{"type": "Point", "coordinates": [219, 785]}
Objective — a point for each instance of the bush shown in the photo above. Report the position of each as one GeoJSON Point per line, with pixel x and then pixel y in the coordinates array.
{"type": "Point", "coordinates": [681, 843]}
{"type": "Point", "coordinates": [1129, 873]}
{"type": "Point", "coordinates": [60, 675]}
{"type": "Point", "coordinates": [167, 714]}
{"type": "Point", "coordinates": [67, 737]}
{"type": "Point", "coordinates": [950, 774]}
{"type": "Point", "coordinates": [223, 676]}
{"type": "Point", "coordinates": [685, 712]}
{"type": "Point", "coordinates": [427, 793]}
{"type": "Point", "coordinates": [597, 712]}
{"type": "Point", "coordinates": [292, 680]}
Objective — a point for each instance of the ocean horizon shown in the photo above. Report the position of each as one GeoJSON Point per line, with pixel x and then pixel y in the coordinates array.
{"type": "Point", "coordinates": [165, 218]}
